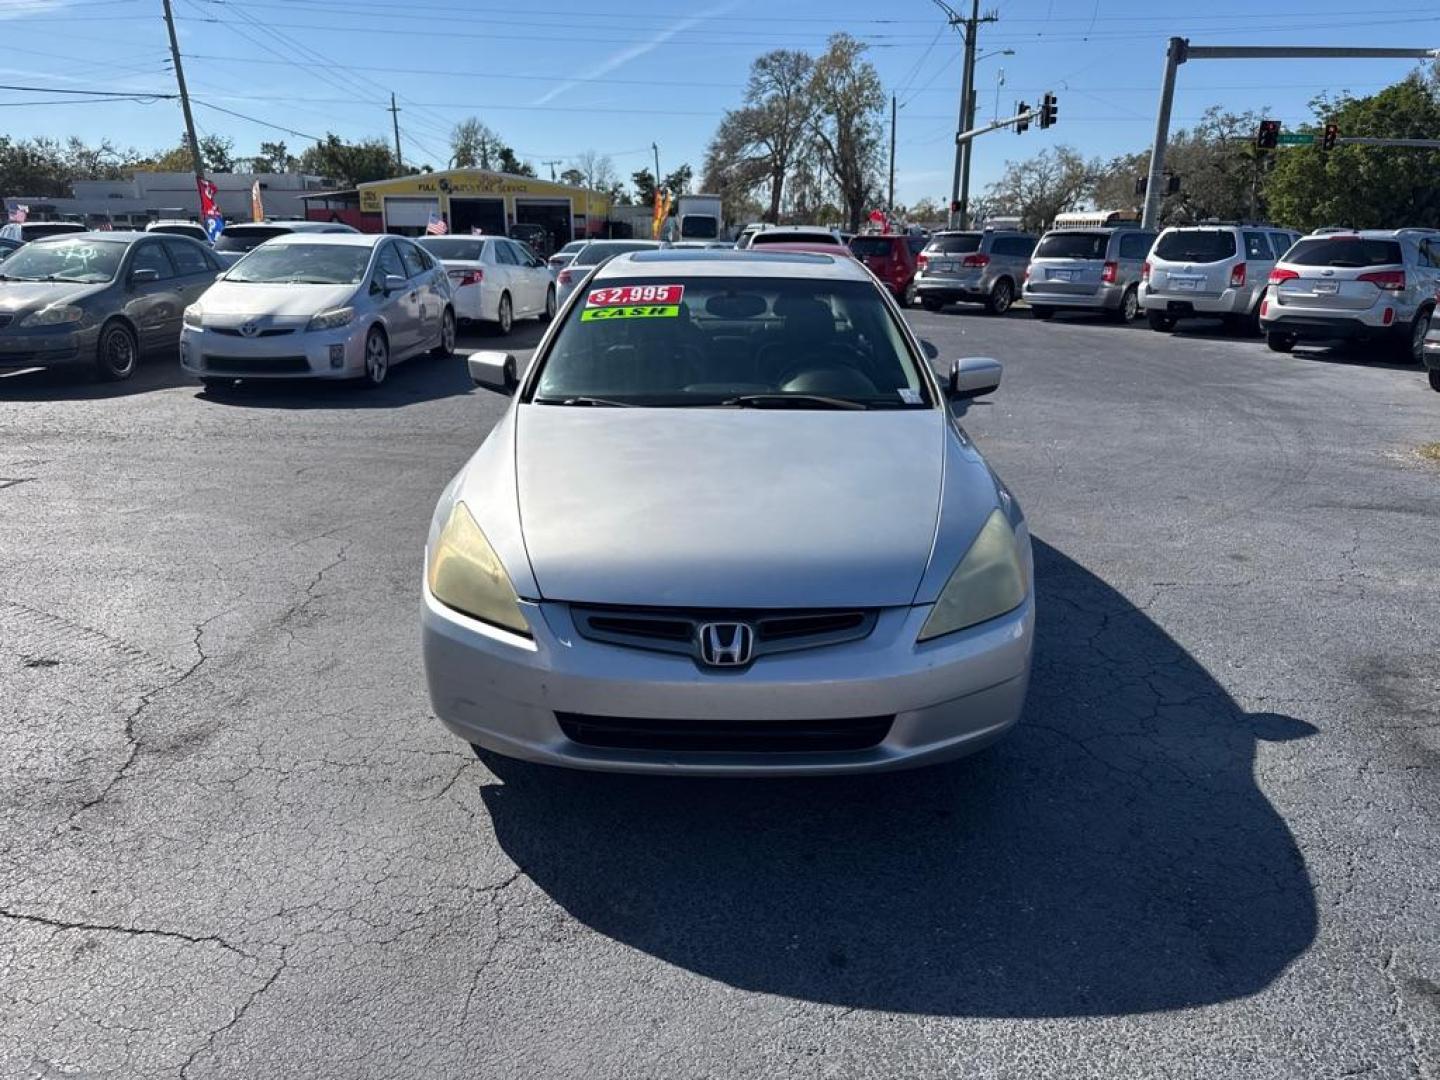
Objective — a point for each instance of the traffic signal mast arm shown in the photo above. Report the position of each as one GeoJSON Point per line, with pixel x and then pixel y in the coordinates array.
{"type": "Point", "coordinates": [1024, 116]}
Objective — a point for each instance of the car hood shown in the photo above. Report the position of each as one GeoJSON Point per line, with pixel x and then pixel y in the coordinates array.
{"type": "Point", "coordinates": [235, 300]}
{"type": "Point", "coordinates": [728, 508]}
{"type": "Point", "coordinates": [17, 296]}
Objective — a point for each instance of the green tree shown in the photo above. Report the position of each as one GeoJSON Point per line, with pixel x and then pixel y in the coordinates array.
{"type": "Point", "coordinates": [849, 99]}
{"type": "Point", "coordinates": [676, 183]}
{"type": "Point", "coordinates": [274, 157]}
{"type": "Point", "coordinates": [1365, 186]}
{"type": "Point", "coordinates": [573, 176]}
{"type": "Point", "coordinates": [1038, 188]}
{"type": "Point", "coordinates": [216, 151]}
{"type": "Point", "coordinates": [350, 163]}
{"type": "Point", "coordinates": [509, 163]}
{"type": "Point", "coordinates": [474, 145]}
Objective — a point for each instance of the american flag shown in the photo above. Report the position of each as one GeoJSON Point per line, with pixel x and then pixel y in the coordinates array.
{"type": "Point", "coordinates": [436, 225]}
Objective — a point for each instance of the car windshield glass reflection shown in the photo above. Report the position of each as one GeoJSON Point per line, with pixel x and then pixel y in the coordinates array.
{"type": "Point", "coordinates": [248, 238]}
{"type": "Point", "coordinates": [1197, 245]}
{"type": "Point", "coordinates": [592, 254]}
{"type": "Point", "coordinates": [453, 248]}
{"type": "Point", "coordinates": [1076, 245]}
{"type": "Point", "coordinates": [66, 260]}
{"type": "Point", "coordinates": [305, 264]}
{"type": "Point", "coordinates": [742, 343]}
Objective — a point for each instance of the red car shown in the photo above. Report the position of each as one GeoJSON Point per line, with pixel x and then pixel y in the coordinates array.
{"type": "Point", "coordinates": [892, 260]}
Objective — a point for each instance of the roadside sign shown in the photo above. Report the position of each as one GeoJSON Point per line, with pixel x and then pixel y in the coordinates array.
{"type": "Point", "coordinates": [1296, 138]}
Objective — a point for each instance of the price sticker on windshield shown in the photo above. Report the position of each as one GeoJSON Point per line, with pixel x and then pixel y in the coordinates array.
{"type": "Point", "coordinates": [635, 295]}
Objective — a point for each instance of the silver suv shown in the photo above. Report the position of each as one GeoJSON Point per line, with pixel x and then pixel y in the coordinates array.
{"type": "Point", "coordinates": [1088, 270]}
{"type": "Point", "coordinates": [1377, 283]}
{"type": "Point", "coordinates": [982, 267]}
{"type": "Point", "coordinates": [1214, 271]}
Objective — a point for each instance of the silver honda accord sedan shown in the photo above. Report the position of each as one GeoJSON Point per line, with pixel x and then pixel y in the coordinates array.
{"type": "Point", "coordinates": [729, 525]}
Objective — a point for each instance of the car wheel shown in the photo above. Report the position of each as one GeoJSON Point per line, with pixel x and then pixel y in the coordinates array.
{"type": "Point", "coordinates": [1001, 297]}
{"type": "Point", "coordinates": [117, 352]}
{"type": "Point", "coordinates": [1160, 320]}
{"type": "Point", "coordinates": [907, 298]}
{"type": "Point", "coordinates": [446, 345]}
{"type": "Point", "coordinates": [505, 317]}
{"type": "Point", "coordinates": [377, 358]}
{"type": "Point", "coordinates": [1280, 342]}
{"type": "Point", "coordinates": [929, 303]}
{"type": "Point", "coordinates": [551, 304]}
{"type": "Point", "coordinates": [1418, 329]}
{"type": "Point", "coordinates": [1435, 379]}
{"type": "Point", "coordinates": [1041, 312]}
{"type": "Point", "coordinates": [1129, 309]}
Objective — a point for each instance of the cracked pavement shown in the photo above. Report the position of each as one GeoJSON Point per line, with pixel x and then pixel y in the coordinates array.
{"type": "Point", "coordinates": [235, 843]}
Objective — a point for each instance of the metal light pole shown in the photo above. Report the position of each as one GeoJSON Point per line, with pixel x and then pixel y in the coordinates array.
{"type": "Point", "coordinates": [1180, 51]}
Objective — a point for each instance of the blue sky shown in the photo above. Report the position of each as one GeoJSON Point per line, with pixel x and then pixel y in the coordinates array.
{"type": "Point", "coordinates": [556, 77]}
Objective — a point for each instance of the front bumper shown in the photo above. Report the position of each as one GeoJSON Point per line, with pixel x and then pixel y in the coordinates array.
{"type": "Point", "coordinates": [948, 697]}
{"type": "Point", "coordinates": [301, 354]}
{"type": "Point", "coordinates": [45, 346]}
{"type": "Point", "coordinates": [1183, 304]}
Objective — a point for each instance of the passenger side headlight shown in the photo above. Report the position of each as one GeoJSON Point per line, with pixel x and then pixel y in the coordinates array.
{"type": "Point", "coordinates": [193, 316]}
{"type": "Point", "coordinates": [54, 315]}
{"type": "Point", "coordinates": [332, 320]}
{"type": "Point", "coordinates": [466, 574]}
{"type": "Point", "coordinates": [989, 581]}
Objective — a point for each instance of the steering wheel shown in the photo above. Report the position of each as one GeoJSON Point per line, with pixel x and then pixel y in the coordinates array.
{"type": "Point", "coordinates": [836, 355]}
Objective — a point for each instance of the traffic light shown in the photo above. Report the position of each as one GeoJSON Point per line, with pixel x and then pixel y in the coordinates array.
{"type": "Point", "coordinates": [1268, 137]}
{"type": "Point", "coordinates": [1049, 111]}
{"type": "Point", "coordinates": [1023, 124]}
{"type": "Point", "coordinates": [1332, 133]}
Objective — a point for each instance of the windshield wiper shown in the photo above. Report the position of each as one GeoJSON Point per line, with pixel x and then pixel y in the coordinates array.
{"type": "Point", "coordinates": [792, 401]}
{"type": "Point", "coordinates": [595, 401]}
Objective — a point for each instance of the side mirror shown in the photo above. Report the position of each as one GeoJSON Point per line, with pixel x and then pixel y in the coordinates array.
{"type": "Point", "coordinates": [494, 371]}
{"type": "Point", "coordinates": [394, 283]}
{"type": "Point", "coordinates": [972, 377]}
{"type": "Point", "coordinates": [143, 275]}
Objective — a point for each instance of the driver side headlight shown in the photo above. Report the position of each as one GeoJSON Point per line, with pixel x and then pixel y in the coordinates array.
{"type": "Point", "coordinates": [54, 315]}
{"type": "Point", "coordinates": [989, 581]}
{"type": "Point", "coordinates": [466, 574]}
{"type": "Point", "coordinates": [193, 317]}
{"type": "Point", "coordinates": [332, 320]}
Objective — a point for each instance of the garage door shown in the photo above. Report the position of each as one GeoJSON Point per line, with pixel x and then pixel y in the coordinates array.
{"type": "Point", "coordinates": [407, 215]}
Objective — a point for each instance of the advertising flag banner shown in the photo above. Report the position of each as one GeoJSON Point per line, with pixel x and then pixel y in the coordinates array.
{"type": "Point", "coordinates": [257, 204]}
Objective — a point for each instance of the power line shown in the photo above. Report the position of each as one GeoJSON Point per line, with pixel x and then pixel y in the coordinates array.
{"type": "Point", "coordinates": [257, 120]}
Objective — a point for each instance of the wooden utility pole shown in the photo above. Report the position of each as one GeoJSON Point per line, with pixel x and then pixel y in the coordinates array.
{"type": "Point", "coordinates": [394, 112]}
{"type": "Point", "coordinates": [190, 138]}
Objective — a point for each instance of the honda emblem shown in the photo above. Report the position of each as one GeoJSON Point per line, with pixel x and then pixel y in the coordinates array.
{"type": "Point", "coordinates": [726, 644]}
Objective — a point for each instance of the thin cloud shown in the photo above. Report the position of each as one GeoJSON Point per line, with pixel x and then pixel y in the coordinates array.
{"type": "Point", "coordinates": [18, 9]}
{"type": "Point", "coordinates": [634, 52]}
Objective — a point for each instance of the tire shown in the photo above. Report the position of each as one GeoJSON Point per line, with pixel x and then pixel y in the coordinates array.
{"type": "Point", "coordinates": [1415, 344]}
{"type": "Point", "coordinates": [929, 303]}
{"type": "Point", "coordinates": [907, 298]}
{"type": "Point", "coordinates": [1002, 296]}
{"type": "Point", "coordinates": [1041, 313]}
{"type": "Point", "coordinates": [117, 352]}
{"type": "Point", "coordinates": [1279, 341]}
{"type": "Point", "coordinates": [551, 304]}
{"type": "Point", "coordinates": [1162, 321]}
{"type": "Point", "coordinates": [1129, 309]}
{"type": "Point", "coordinates": [446, 346]}
{"type": "Point", "coordinates": [504, 315]}
{"type": "Point", "coordinates": [377, 359]}
{"type": "Point", "coordinates": [1435, 379]}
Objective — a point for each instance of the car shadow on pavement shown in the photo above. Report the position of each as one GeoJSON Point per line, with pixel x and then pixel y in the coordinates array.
{"type": "Point", "coordinates": [78, 382]}
{"type": "Point", "coordinates": [1113, 855]}
{"type": "Point", "coordinates": [1375, 354]}
{"type": "Point", "coordinates": [422, 378]}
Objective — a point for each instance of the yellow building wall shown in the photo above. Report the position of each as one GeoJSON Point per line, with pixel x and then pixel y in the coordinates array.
{"type": "Point", "coordinates": [594, 205]}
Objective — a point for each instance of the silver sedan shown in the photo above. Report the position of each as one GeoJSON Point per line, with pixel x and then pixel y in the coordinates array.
{"type": "Point", "coordinates": [729, 525]}
{"type": "Point", "coordinates": [306, 306]}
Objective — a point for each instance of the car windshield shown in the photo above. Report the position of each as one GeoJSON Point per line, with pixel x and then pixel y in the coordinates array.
{"type": "Point", "coordinates": [592, 254]}
{"type": "Point", "coordinates": [304, 264]}
{"type": "Point", "coordinates": [195, 232]}
{"type": "Point", "coordinates": [701, 226]}
{"type": "Point", "coordinates": [742, 342]}
{"type": "Point", "coordinates": [1345, 251]}
{"type": "Point", "coordinates": [571, 248]}
{"type": "Point", "coordinates": [66, 260]}
{"type": "Point", "coordinates": [1072, 245]}
{"type": "Point", "coordinates": [962, 244]}
{"type": "Point", "coordinates": [247, 239]}
{"type": "Point", "coordinates": [1196, 245]}
{"type": "Point", "coordinates": [453, 247]}
{"type": "Point", "coordinates": [793, 236]}
{"type": "Point", "coordinates": [872, 247]}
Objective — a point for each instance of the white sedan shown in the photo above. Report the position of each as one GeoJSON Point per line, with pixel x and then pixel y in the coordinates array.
{"type": "Point", "coordinates": [494, 279]}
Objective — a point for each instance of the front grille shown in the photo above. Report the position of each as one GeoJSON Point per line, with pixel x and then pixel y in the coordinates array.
{"type": "Point", "coordinates": [257, 365]}
{"type": "Point", "coordinates": [234, 331]}
{"type": "Point", "coordinates": [677, 631]}
{"type": "Point", "coordinates": [734, 736]}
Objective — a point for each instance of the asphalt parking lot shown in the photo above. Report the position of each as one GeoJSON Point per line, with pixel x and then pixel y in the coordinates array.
{"type": "Point", "coordinates": [235, 843]}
